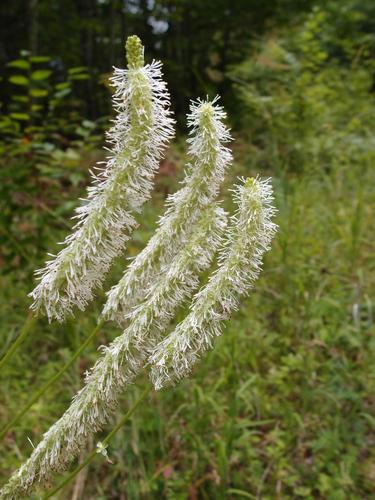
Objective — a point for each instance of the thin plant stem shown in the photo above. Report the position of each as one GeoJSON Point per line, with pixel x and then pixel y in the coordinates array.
{"type": "Point", "coordinates": [28, 325]}
{"type": "Point", "coordinates": [105, 441]}
{"type": "Point", "coordinates": [51, 381]}
{"type": "Point", "coordinates": [18, 245]}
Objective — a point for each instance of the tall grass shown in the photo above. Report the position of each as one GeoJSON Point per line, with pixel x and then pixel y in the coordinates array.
{"type": "Point", "coordinates": [282, 408]}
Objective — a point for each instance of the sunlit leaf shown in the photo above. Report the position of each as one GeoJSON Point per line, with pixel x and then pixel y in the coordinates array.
{"type": "Point", "coordinates": [62, 86]}
{"type": "Point", "coordinates": [38, 92]}
{"type": "Point", "coordinates": [20, 116]}
{"type": "Point", "coordinates": [41, 74]}
{"type": "Point", "coordinates": [19, 63]}
{"type": "Point", "coordinates": [19, 80]}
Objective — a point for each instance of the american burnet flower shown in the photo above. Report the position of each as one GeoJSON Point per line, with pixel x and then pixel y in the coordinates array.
{"type": "Point", "coordinates": [209, 159]}
{"type": "Point", "coordinates": [123, 358]}
{"type": "Point", "coordinates": [240, 262]}
{"type": "Point", "coordinates": [141, 130]}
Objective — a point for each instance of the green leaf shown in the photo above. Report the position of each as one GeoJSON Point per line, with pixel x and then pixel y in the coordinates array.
{"type": "Point", "coordinates": [88, 124]}
{"type": "Point", "coordinates": [240, 493]}
{"type": "Point", "coordinates": [38, 92]}
{"type": "Point", "coordinates": [62, 86]}
{"type": "Point", "coordinates": [370, 419]}
{"type": "Point", "coordinates": [19, 63]}
{"type": "Point", "coordinates": [39, 59]}
{"type": "Point", "coordinates": [70, 154]}
{"type": "Point", "coordinates": [19, 98]}
{"type": "Point", "coordinates": [6, 122]}
{"type": "Point", "coordinates": [41, 74]}
{"type": "Point", "coordinates": [78, 69]}
{"type": "Point", "coordinates": [82, 76]}
{"type": "Point", "coordinates": [62, 93]}
{"type": "Point", "coordinates": [19, 80]}
{"type": "Point", "coordinates": [20, 116]}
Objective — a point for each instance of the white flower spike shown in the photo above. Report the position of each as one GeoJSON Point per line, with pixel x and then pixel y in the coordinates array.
{"type": "Point", "coordinates": [204, 175]}
{"type": "Point", "coordinates": [142, 128]}
{"type": "Point", "coordinates": [240, 262]}
{"type": "Point", "coordinates": [122, 360]}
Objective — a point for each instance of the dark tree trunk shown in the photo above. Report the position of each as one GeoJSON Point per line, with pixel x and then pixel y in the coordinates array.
{"type": "Point", "coordinates": [112, 32]}
{"type": "Point", "coordinates": [33, 26]}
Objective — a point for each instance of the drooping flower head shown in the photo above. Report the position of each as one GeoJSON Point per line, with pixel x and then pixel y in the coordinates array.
{"type": "Point", "coordinates": [123, 359]}
{"type": "Point", "coordinates": [142, 128]}
{"type": "Point", "coordinates": [209, 159]}
{"type": "Point", "coordinates": [249, 236]}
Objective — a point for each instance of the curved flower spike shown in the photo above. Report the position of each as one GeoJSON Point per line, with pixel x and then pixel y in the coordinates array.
{"type": "Point", "coordinates": [201, 184]}
{"type": "Point", "coordinates": [250, 236]}
{"type": "Point", "coordinates": [122, 360]}
{"type": "Point", "coordinates": [142, 128]}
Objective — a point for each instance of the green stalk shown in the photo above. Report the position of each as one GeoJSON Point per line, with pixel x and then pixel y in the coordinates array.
{"type": "Point", "coordinates": [50, 382]}
{"type": "Point", "coordinates": [106, 440]}
{"type": "Point", "coordinates": [29, 323]}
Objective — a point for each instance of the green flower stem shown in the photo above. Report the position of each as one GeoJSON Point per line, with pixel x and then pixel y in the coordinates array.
{"type": "Point", "coordinates": [51, 381]}
{"type": "Point", "coordinates": [106, 440]}
{"type": "Point", "coordinates": [27, 327]}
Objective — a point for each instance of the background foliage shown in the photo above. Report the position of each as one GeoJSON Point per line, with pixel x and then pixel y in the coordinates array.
{"type": "Point", "coordinates": [284, 407]}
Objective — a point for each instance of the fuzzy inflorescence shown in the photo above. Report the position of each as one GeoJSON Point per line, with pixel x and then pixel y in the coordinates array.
{"type": "Point", "coordinates": [240, 262]}
{"type": "Point", "coordinates": [164, 275]}
{"type": "Point", "coordinates": [204, 174]}
{"type": "Point", "coordinates": [141, 130]}
{"type": "Point", "coordinates": [122, 360]}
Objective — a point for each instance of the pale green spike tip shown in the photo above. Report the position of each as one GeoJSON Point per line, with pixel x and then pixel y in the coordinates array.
{"type": "Point", "coordinates": [134, 52]}
{"type": "Point", "coordinates": [207, 111]}
{"type": "Point", "coordinates": [250, 183]}
{"type": "Point", "coordinates": [251, 196]}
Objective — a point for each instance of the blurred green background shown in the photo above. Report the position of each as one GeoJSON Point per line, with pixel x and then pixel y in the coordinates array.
{"type": "Point", "coordinates": [284, 407]}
